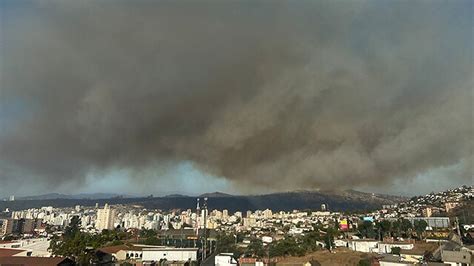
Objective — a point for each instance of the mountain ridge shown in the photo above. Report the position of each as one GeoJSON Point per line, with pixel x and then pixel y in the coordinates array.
{"type": "Point", "coordinates": [72, 196]}
{"type": "Point", "coordinates": [281, 201]}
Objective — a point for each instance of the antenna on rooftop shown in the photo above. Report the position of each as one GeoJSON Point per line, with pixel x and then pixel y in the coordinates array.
{"type": "Point", "coordinates": [197, 217]}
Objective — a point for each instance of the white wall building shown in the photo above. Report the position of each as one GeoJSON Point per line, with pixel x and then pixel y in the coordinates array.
{"type": "Point", "coordinates": [225, 259]}
{"type": "Point", "coordinates": [170, 254]}
{"type": "Point", "coordinates": [387, 247]}
{"type": "Point", "coordinates": [105, 218]}
{"type": "Point", "coordinates": [363, 245]}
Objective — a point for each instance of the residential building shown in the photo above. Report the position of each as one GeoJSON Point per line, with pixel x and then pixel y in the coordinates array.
{"type": "Point", "coordinates": [169, 254]}
{"type": "Point", "coordinates": [225, 259]}
{"type": "Point", "coordinates": [105, 218]}
{"type": "Point", "coordinates": [427, 212]}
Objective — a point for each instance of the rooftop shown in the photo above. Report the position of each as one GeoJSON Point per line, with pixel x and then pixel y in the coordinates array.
{"type": "Point", "coordinates": [37, 261]}
{"type": "Point", "coordinates": [8, 252]}
{"type": "Point", "coordinates": [115, 249]}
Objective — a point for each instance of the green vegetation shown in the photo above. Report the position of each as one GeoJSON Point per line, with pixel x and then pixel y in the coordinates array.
{"type": "Point", "coordinates": [76, 244]}
{"type": "Point", "coordinates": [286, 247]}
{"type": "Point", "coordinates": [366, 229]}
{"type": "Point", "coordinates": [396, 250]}
{"type": "Point", "coordinates": [226, 243]}
{"type": "Point", "coordinates": [255, 248]}
{"type": "Point", "coordinates": [386, 228]}
{"type": "Point", "coordinates": [300, 246]}
{"type": "Point", "coordinates": [150, 237]}
{"type": "Point", "coordinates": [396, 228]}
{"type": "Point", "coordinates": [364, 262]}
{"type": "Point", "coordinates": [406, 228]}
{"type": "Point", "coordinates": [420, 228]}
{"type": "Point", "coordinates": [321, 237]}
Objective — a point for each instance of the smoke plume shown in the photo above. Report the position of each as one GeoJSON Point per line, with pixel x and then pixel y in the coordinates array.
{"type": "Point", "coordinates": [278, 94]}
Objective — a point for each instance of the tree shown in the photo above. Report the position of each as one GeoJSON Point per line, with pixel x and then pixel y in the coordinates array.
{"type": "Point", "coordinates": [226, 243]}
{"type": "Point", "coordinates": [147, 233]}
{"type": "Point", "coordinates": [364, 262]}
{"type": "Point", "coordinates": [331, 233]}
{"type": "Point", "coordinates": [73, 228]}
{"type": "Point", "coordinates": [9, 237]}
{"type": "Point", "coordinates": [255, 248]}
{"type": "Point", "coordinates": [406, 227]}
{"type": "Point", "coordinates": [78, 245]}
{"type": "Point", "coordinates": [49, 229]}
{"type": "Point", "coordinates": [366, 229]}
{"type": "Point", "coordinates": [153, 240]}
{"type": "Point", "coordinates": [309, 241]}
{"type": "Point", "coordinates": [396, 228]}
{"type": "Point", "coordinates": [428, 256]}
{"type": "Point", "coordinates": [384, 228]}
{"type": "Point", "coordinates": [420, 228]}
{"type": "Point", "coordinates": [329, 241]}
{"type": "Point", "coordinates": [396, 250]}
{"type": "Point", "coordinates": [285, 247]}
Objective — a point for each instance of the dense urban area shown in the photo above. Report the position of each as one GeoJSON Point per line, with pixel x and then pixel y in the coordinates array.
{"type": "Point", "coordinates": [434, 229]}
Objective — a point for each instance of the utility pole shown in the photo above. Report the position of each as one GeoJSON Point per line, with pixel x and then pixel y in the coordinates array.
{"type": "Point", "coordinates": [457, 227]}
{"type": "Point", "coordinates": [205, 230]}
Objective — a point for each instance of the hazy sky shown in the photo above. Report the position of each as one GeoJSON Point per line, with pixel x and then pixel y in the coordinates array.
{"type": "Point", "coordinates": [160, 97]}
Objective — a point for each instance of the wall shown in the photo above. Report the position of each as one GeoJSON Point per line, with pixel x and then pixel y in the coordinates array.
{"type": "Point", "coordinates": [363, 246]}
{"type": "Point", "coordinates": [169, 255]}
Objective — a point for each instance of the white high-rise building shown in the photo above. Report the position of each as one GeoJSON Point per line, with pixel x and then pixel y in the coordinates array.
{"type": "Point", "coordinates": [105, 218]}
{"type": "Point", "coordinates": [267, 214]}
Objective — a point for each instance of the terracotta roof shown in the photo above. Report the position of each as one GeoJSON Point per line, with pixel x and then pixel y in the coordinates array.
{"type": "Point", "coordinates": [8, 252]}
{"type": "Point", "coordinates": [36, 261]}
{"type": "Point", "coordinates": [115, 249]}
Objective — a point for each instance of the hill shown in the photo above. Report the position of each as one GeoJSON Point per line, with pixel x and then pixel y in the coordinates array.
{"type": "Point", "coordinates": [336, 200]}
{"type": "Point", "coordinates": [51, 196]}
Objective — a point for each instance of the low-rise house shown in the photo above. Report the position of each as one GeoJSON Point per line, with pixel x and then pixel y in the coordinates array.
{"type": "Point", "coordinates": [225, 259]}
{"type": "Point", "coordinates": [363, 245]}
{"type": "Point", "coordinates": [418, 252]}
{"type": "Point", "coordinates": [169, 254]}
{"type": "Point", "coordinates": [250, 262]}
{"type": "Point", "coordinates": [387, 247]}
{"type": "Point", "coordinates": [340, 243]}
{"type": "Point", "coordinates": [463, 256]}
{"type": "Point", "coordinates": [124, 252]}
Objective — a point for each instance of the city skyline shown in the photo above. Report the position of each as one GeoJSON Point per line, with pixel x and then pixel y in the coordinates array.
{"type": "Point", "coordinates": [242, 97]}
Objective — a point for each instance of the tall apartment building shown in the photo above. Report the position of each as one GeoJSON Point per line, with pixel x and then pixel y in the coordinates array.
{"type": "Point", "coordinates": [7, 227]}
{"type": "Point", "coordinates": [427, 212]}
{"type": "Point", "coordinates": [17, 226]}
{"type": "Point", "coordinates": [105, 218]}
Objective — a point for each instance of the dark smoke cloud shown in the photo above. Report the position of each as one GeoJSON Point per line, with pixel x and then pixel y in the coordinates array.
{"type": "Point", "coordinates": [279, 94]}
